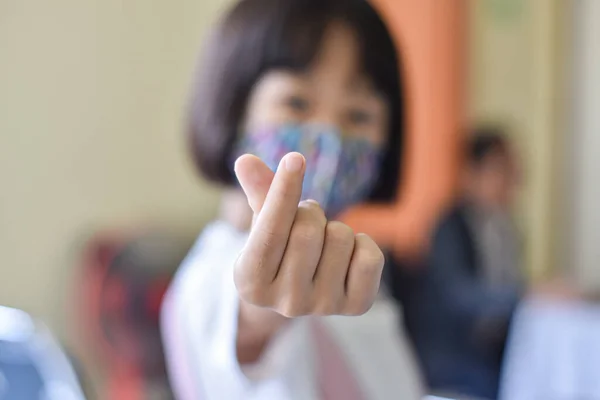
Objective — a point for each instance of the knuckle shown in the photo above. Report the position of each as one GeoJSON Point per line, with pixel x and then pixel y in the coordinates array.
{"type": "Point", "coordinates": [369, 259]}
{"type": "Point", "coordinates": [309, 224]}
{"type": "Point", "coordinates": [291, 308]}
{"type": "Point", "coordinates": [253, 294]}
{"type": "Point", "coordinates": [311, 205]}
{"type": "Point", "coordinates": [306, 231]}
{"type": "Point", "coordinates": [358, 309]}
{"type": "Point", "coordinates": [291, 301]}
{"type": "Point", "coordinates": [339, 233]}
{"type": "Point", "coordinates": [326, 307]}
{"type": "Point", "coordinates": [359, 305]}
{"type": "Point", "coordinates": [310, 211]}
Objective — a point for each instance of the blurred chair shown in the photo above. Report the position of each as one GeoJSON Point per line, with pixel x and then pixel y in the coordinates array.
{"type": "Point", "coordinates": [125, 275]}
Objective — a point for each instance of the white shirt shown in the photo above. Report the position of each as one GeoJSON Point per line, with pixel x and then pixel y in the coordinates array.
{"type": "Point", "coordinates": [199, 322]}
{"type": "Point", "coordinates": [498, 246]}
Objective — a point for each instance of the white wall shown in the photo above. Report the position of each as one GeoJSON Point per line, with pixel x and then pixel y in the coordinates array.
{"type": "Point", "coordinates": [91, 97]}
{"type": "Point", "coordinates": [585, 160]}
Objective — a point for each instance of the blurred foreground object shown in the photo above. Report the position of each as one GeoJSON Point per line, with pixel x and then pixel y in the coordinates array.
{"type": "Point", "coordinates": [553, 351]}
{"type": "Point", "coordinates": [32, 364]}
{"type": "Point", "coordinates": [125, 276]}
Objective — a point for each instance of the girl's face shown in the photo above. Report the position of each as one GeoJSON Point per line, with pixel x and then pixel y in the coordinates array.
{"type": "Point", "coordinates": [330, 113]}
{"type": "Point", "coordinates": [332, 92]}
{"type": "Point", "coordinates": [496, 180]}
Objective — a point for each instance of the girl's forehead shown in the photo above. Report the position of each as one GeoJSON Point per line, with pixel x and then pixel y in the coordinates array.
{"type": "Point", "coordinates": [337, 65]}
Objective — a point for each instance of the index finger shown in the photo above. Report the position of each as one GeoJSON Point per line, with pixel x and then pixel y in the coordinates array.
{"type": "Point", "coordinates": [269, 235]}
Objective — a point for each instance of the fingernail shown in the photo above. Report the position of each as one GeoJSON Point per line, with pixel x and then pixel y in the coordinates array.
{"type": "Point", "coordinates": [294, 162]}
{"type": "Point", "coordinates": [316, 203]}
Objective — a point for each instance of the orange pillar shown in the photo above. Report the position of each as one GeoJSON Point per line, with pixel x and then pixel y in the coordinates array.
{"type": "Point", "coordinates": [430, 35]}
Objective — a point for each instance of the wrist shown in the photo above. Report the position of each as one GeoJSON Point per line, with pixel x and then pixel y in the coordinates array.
{"type": "Point", "coordinates": [256, 327]}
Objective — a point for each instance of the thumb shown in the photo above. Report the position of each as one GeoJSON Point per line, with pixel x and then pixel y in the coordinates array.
{"type": "Point", "coordinates": [255, 178]}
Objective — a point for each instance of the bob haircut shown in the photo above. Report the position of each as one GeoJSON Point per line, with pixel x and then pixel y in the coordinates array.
{"type": "Point", "coordinates": [257, 36]}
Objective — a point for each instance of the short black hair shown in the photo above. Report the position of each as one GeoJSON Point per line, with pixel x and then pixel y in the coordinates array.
{"type": "Point", "coordinates": [485, 141]}
{"type": "Point", "coordinates": [256, 36]}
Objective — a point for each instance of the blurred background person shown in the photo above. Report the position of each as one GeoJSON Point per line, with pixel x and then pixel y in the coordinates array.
{"type": "Point", "coordinates": [473, 279]}
{"type": "Point", "coordinates": [282, 77]}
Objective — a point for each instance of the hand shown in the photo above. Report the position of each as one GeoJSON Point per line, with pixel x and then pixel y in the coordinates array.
{"type": "Point", "coordinates": [295, 261]}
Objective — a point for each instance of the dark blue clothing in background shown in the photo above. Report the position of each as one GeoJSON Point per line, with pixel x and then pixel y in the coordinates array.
{"type": "Point", "coordinates": [457, 322]}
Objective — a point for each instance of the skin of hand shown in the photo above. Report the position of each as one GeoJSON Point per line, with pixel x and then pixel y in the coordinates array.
{"type": "Point", "coordinates": [296, 262]}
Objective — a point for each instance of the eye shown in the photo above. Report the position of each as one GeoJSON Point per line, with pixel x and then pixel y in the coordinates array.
{"type": "Point", "coordinates": [359, 117]}
{"type": "Point", "coordinates": [297, 104]}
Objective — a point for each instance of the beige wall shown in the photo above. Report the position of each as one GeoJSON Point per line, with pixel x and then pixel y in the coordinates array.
{"type": "Point", "coordinates": [91, 95]}
{"type": "Point", "coordinates": [517, 70]}
{"type": "Point", "coordinates": [584, 204]}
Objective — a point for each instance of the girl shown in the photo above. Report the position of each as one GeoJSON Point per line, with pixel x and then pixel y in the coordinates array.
{"type": "Point", "coordinates": [274, 301]}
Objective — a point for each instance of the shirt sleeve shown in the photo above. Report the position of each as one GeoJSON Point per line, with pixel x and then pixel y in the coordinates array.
{"type": "Point", "coordinates": [199, 323]}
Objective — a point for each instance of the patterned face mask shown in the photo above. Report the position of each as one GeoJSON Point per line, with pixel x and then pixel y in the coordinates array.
{"type": "Point", "coordinates": [340, 171]}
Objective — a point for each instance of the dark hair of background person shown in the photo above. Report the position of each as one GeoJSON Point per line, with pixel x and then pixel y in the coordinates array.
{"type": "Point", "coordinates": [484, 142]}
{"type": "Point", "coordinates": [257, 36]}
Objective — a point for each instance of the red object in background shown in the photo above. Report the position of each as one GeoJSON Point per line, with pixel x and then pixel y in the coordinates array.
{"type": "Point", "coordinates": [124, 280]}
